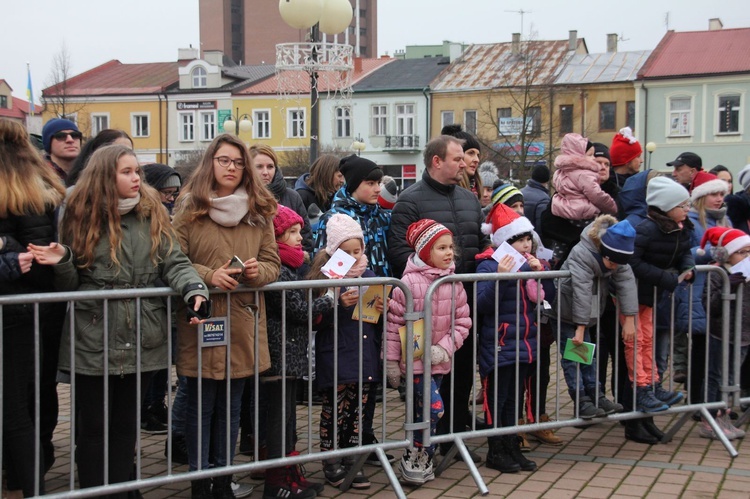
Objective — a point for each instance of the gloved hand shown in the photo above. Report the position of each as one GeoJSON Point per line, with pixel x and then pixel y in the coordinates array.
{"type": "Point", "coordinates": [736, 279]}
{"type": "Point", "coordinates": [438, 355]}
{"type": "Point", "coordinates": [393, 373]}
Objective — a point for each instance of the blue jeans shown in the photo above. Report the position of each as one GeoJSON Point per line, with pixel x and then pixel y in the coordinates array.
{"type": "Point", "coordinates": [588, 383]}
{"type": "Point", "coordinates": [436, 406]}
{"type": "Point", "coordinates": [214, 413]}
{"type": "Point", "coordinates": [714, 367]}
{"type": "Point", "coordinates": [179, 407]}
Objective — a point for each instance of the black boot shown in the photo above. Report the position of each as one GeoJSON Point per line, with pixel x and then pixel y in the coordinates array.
{"type": "Point", "coordinates": [200, 489]}
{"type": "Point", "coordinates": [498, 457]}
{"type": "Point", "coordinates": [635, 431]}
{"type": "Point", "coordinates": [648, 424]}
{"type": "Point", "coordinates": [222, 487]}
{"type": "Point", "coordinates": [513, 443]}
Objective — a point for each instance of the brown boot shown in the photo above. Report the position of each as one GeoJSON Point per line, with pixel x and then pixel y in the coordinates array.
{"type": "Point", "coordinates": [545, 436]}
{"type": "Point", "coordinates": [522, 437]}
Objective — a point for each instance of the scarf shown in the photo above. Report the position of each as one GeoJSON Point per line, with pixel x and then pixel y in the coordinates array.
{"type": "Point", "coordinates": [359, 267]}
{"type": "Point", "coordinates": [718, 215]}
{"type": "Point", "coordinates": [229, 211]}
{"type": "Point", "coordinates": [125, 205]}
{"type": "Point", "coordinates": [291, 256]}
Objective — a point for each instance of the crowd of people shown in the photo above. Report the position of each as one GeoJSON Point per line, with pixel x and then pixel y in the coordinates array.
{"type": "Point", "coordinates": [90, 217]}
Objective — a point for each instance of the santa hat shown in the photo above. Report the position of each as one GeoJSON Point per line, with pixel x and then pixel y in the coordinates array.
{"type": "Point", "coordinates": [504, 224]}
{"type": "Point", "coordinates": [339, 229]}
{"type": "Point", "coordinates": [422, 235]}
{"type": "Point", "coordinates": [724, 242]}
{"type": "Point", "coordinates": [285, 218]}
{"type": "Point", "coordinates": [625, 147]}
{"type": "Point", "coordinates": [705, 183]}
{"type": "Point", "coordinates": [388, 193]}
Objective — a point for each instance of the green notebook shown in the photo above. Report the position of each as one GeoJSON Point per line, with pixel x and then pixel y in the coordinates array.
{"type": "Point", "coordinates": [583, 354]}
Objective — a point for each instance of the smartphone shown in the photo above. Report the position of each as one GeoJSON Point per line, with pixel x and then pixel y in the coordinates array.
{"type": "Point", "coordinates": [236, 263]}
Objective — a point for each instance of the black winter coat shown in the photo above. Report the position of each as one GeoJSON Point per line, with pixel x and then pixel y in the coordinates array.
{"type": "Point", "coordinates": [291, 199]}
{"type": "Point", "coordinates": [662, 252]}
{"type": "Point", "coordinates": [455, 207]}
{"type": "Point", "coordinates": [20, 231]}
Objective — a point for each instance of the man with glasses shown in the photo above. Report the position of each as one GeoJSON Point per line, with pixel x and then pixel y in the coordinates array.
{"type": "Point", "coordinates": [62, 143]}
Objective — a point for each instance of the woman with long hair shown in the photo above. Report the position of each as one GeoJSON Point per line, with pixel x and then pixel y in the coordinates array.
{"type": "Point", "coordinates": [223, 211]}
{"type": "Point", "coordinates": [115, 235]}
{"type": "Point", "coordinates": [29, 193]}
{"type": "Point", "coordinates": [319, 186]}
{"type": "Point", "coordinates": [103, 138]}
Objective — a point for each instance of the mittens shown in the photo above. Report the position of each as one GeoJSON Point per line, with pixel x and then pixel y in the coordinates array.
{"type": "Point", "coordinates": [393, 373]}
{"type": "Point", "coordinates": [438, 355]}
{"type": "Point", "coordinates": [534, 291]}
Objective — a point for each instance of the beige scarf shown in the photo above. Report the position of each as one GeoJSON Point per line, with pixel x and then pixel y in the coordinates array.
{"type": "Point", "coordinates": [230, 210]}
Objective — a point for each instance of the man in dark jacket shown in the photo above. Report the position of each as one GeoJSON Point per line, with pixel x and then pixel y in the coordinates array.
{"type": "Point", "coordinates": [536, 195]}
{"type": "Point", "coordinates": [438, 197]}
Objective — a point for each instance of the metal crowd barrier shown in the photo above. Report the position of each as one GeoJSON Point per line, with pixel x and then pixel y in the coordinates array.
{"type": "Point", "coordinates": [565, 417]}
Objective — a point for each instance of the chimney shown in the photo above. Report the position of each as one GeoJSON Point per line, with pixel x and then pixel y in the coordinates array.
{"type": "Point", "coordinates": [715, 24]}
{"type": "Point", "coordinates": [611, 43]}
{"type": "Point", "coordinates": [515, 47]}
{"type": "Point", "coordinates": [357, 64]}
{"type": "Point", "coordinates": [454, 50]}
{"type": "Point", "coordinates": [572, 39]}
{"type": "Point", "coordinates": [215, 57]}
{"type": "Point", "coordinates": [187, 54]}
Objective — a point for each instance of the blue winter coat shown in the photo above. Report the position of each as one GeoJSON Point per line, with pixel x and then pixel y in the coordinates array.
{"type": "Point", "coordinates": [348, 347]}
{"type": "Point", "coordinates": [513, 337]}
{"type": "Point", "coordinates": [535, 201]}
{"type": "Point", "coordinates": [632, 198]}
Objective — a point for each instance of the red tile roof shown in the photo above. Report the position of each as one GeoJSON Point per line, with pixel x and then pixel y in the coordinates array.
{"type": "Point", "coordinates": [299, 81]}
{"type": "Point", "coordinates": [20, 109]}
{"type": "Point", "coordinates": [692, 53]}
{"type": "Point", "coordinates": [114, 77]}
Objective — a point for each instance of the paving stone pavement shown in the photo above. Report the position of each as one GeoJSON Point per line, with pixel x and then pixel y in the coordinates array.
{"type": "Point", "coordinates": [595, 462]}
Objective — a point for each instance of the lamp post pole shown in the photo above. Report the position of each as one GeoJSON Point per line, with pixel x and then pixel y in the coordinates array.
{"type": "Point", "coordinates": [314, 104]}
{"type": "Point", "coordinates": [650, 147]}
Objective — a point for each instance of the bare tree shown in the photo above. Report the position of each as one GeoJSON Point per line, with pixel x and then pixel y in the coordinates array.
{"type": "Point", "coordinates": [56, 97]}
{"type": "Point", "coordinates": [295, 162]}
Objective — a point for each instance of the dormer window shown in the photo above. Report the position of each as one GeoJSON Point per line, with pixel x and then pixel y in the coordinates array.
{"type": "Point", "coordinates": [199, 77]}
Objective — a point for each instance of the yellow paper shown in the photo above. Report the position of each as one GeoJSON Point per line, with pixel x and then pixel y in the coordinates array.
{"type": "Point", "coordinates": [418, 340]}
{"type": "Point", "coordinates": [370, 314]}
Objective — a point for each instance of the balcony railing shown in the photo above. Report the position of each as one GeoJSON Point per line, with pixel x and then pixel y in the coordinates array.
{"type": "Point", "coordinates": [402, 142]}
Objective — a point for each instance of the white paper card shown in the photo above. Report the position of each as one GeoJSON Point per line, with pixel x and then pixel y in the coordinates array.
{"type": "Point", "coordinates": [507, 249]}
{"type": "Point", "coordinates": [544, 254]}
{"type": "Point", "coordinates": [743, 267]}
{"type": "Point", "coordinates": [338, 265]}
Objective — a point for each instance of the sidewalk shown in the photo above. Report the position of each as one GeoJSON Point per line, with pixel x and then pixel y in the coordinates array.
{"type": "Point", "coordinates": [595, 462]}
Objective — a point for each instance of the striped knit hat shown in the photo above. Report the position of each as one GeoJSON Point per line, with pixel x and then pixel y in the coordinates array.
{"type": "Point", "coordinates": [422, 235]}
{"type": "Point", "coordinates": [506, 194]}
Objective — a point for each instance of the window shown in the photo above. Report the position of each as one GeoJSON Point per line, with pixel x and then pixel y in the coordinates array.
{"type": "Point", "coordinates": [630, 114]}
{"type": "Point", "coordinates": [99, 122]}
{"type": "Point", "coordinates": [503, 112]}
{"type": "Point", "coordinates": [379, 120]}
{"type": "Point", "coordinates": [208, 125]}
{"type": "Point", "coordinates": [446, 118]}
{"type": "Point", "coordinates": [296, 123]}
{"type": "Point", "coordinates": [729, 114]}
{"type": "Point", "coordinates": [262, 120]}
{"type": "Point", "coordinates": [405, 120]}
{"type": "Point", "coordinates": [470, 122]}
{"type": "Point", "coordinates": [534, 117]}
{"type": "Point", "coordinates": [140, 125]}
{"type": "Point", "coordinates": [607, 116]}
{"type": "Point", "coordinates": [343, 122]}
{"type": "Point", "coordinates": [187, 127]}
{"type": "Point", "coordinates": [4, 101]}
{"type": "Point", "coordinates": [199, 77]}
{"type": "Point", "coordinates": [680, 110]}
{"type": "Point", "coordinates": [566, 119]}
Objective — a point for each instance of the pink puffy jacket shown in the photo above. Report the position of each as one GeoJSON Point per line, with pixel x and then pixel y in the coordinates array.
{"type": "Point", "coordinates": [418, 278]}
{"type": "Point", "coordinates": [578, 195]}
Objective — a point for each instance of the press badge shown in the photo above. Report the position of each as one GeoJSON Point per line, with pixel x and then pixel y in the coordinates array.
{"type": "Point", "coordinates": [213, 332]}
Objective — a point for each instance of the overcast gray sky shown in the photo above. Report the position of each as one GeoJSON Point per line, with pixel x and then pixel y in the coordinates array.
{"type": "Point", "coordinates": [96, 31]}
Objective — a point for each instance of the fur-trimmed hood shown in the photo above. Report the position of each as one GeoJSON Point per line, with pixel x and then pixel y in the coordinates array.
{"type": "Point", "coordinates": [593, 233]}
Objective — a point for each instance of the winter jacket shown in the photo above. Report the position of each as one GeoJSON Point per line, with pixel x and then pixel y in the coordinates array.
{"type": "Point", "coordinates": [662, 252]}
{"type": "Point", "coordinates": [738, 210]}
{"type": "Point", "coordinates": [209, 246]}
{"type": "Point", "coordinates": [374, 221]}
{"type": "Point", "coordinates": [577, 294]}
{"type": "Point", "coordinates": [19, 231]}
{"type": "Point", "coordinates": [715, 302]}
{"type": "Point", "coordinates": [515, 321]}
{"type": "Point", "coordinates": [136, 271]}
{"type": "Point", "coordinates": [295, 310]}
{"type": "Point", "coordinates": [455, 207]}
{"type": "Point", "coordinates": [632, 198]}
{"type": "Point", "coordinates": [307, 194]}
{"type": "Point", "coordinates": [535, 200]}
{"type": "Point", "coordinates": [418, 277]}
{"type": "Point", "coordinates": [291, 199]}
{"type": "Point", "coordinates": [579, 195]}
{"type": "Point", "coordinates": [348, 347]}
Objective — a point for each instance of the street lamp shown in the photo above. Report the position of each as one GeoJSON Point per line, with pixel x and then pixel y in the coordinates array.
{"type": "Point", "coordinates": [327, 16]}
{"type": "Point", "coordinates": [359, 145]}
{"type": "Point", "coordinates": [650, 147]}
{"type": "Point", "coordinates": [242, 123]}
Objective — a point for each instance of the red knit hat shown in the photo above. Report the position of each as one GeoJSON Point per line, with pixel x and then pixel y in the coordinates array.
{"type": "Point", "coordinates": [422, 235]}
{"type": "Point", "coordinates": [625, 147]}
{"type": "Point", "coordinates": [724, 242]}
{"type": "Point", "coordinates": [285, 218]}
{"type": "Point", "coordinates": [705, 183]}
{"type": "Point", "coordinates": [503, 224]}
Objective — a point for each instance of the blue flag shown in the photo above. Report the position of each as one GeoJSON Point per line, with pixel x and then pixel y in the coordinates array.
{"type": "Point", "coordinates": [30, 91]}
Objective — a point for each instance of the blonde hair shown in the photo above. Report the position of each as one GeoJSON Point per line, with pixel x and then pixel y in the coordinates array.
{"type": "Point", "coordinates": [699, 205]}
{"type": "Point", "coordinates": [28, 185]}
{"type": "Point", "coordinates": [195, 196]}
{"type": "Point", "coordinates": [92, 210]}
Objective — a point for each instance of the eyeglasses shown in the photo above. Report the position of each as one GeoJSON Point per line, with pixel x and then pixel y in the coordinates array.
{"type": "Point", "coordinates": [743, 253]}
{"type": "Point", "coordinates": [685, 206]}
{"type": "Point", "coordinates": [225, 161]}
{"type": "Point", "coordinates": [170, 194]}
{"type": "Point", "coordinates": [64, 135]}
